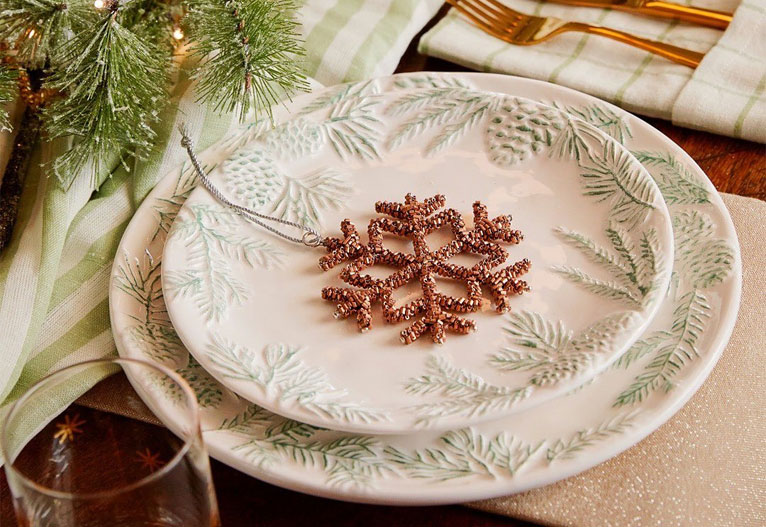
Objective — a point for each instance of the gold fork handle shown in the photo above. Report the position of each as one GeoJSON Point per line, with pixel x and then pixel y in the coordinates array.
{"type": "Point", "coordinates": [659, 8]}
{"type": "Point", "coordinates": [706, 17]}
{"type": "Point", "coordinates": [683, 56]}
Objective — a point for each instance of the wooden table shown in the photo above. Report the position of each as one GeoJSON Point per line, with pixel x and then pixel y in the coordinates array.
{"type": "Point", "coordinates": [734, 166]}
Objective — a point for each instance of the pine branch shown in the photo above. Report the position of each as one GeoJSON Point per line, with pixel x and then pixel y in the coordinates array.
{"type": "Point", "coordinates": [677, 347]}
{"type": "Point", "coordinates": [7, 94]}
{"type": "Point", "coordinates": [677, 184]}
{"type": "Point", "coordinates": [568, 448]}
{"type": "Point", "coordinates": [603, 288]}
{"type": "Point", "coordinates": [612, 176]}
{"type": "Point", "coordinates": [152, 20]}
{"type": "Point", "coordinates": [248, 421]}
{"type": "Point", "coordinates": [248, 51]}
{"type": "Point", "coordinates": [461, 392]}
{"type": "Point", "coordinates": [638, 350]}
{"type": "Point", "coordinates": [535, 342]}
{"type": "Point", "coordinates": [552, 351]}
{"type": "Point", "coordinates": [114, 88]}
{"type": "Point", "coordinates": [464, 453]}
{"type": "Point", "coordinates": [40, 27]}
{"type": "Point", "coordinates": [604, 119]}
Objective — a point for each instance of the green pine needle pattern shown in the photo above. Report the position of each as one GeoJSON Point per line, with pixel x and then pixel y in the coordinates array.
{"type": "Point", "coordinates": [671, 349]}
{"type": "Point", "coordinates": [349, 122]}
{"type": "Point", "coordinates": [632, 268]}
{"type": "Point", "coordinates": [212, 235]}
{"type": "Point", "coordinates": [461, 392]}
{"type": "Point", "coordinates": [452, 111]}
{"type": "Point", "coordinates": [582, 439]}
{"type": "Point", "coordinates": [704, 261]}
{"type": "Point", "coordinates": [209, 393]}
{"type": "Point", "coordinates": [677, 184]}
{"type": "Point", "coordinates": [152, 333]}
{"type": "Point", "coordinates": [167, 207]}
{"type": "Point", "coordinates": [285, 376]}
{"type": "Point", "coordinates": [551, 351]}
{"type": "Point", "coordinates": [358, 460]}
{"type": "Point", "coordinates": [345, 460]}
{"type": "Point", "coordinates": [464, 453]}
{"type": "Point", "coordinates": [602, 118]}
{"type": "Point", "coordinates": [612, 176]}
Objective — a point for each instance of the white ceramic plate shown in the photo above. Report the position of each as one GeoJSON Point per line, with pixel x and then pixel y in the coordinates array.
{"type": "Point", "coordinates": [247, 304]}
{"type": "Point", "coordinates": [555, 440]}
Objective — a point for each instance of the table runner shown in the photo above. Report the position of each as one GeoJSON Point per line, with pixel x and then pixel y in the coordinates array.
{"type": "Point", "coordinates": [54, 275]}
{"type": "Point", "coordinates": [704, 467]}
{"type": "Point", "coordinates": [726, 94]}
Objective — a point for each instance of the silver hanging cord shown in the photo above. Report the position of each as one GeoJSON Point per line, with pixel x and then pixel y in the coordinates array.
{"type": "Point", "coordinates": [310, 237]}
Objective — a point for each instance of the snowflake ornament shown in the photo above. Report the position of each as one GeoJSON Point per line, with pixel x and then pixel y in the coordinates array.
{"type": "Point", "coordinates": [438, 312]}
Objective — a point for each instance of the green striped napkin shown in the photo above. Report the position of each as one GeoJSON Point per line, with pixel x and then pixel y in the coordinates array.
{"type": "Point", "coordinates": [726, 94]}
{"type": "Point", "coordinates": [54, 275]}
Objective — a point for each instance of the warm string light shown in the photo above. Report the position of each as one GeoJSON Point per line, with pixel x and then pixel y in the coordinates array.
{"type": "Point", "coordinates": [178, 34]}
{"type": "Point", "coordinates": [31, 33]}
{"type": "Point", "coordinates": [99, 4]}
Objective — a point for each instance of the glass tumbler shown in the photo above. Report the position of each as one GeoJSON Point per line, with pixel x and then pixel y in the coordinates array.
{"type": "Point", "coordinates": [88, 468]}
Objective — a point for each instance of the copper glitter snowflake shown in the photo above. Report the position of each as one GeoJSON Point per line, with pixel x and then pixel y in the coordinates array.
{"type": "Point", "coordinates": [415, 220]}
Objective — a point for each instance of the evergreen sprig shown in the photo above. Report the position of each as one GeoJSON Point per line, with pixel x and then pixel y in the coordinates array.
{"type": "Point", "coordinates": [114, 86]}
{"type": "Point", "coordinates": [110, 65]}
{"type": "Point", "coordinates": [248, 51]}
{"type": "Point", "coordinates": [38, 28]}
{"type": "Point", "coordinates": [7, 94]}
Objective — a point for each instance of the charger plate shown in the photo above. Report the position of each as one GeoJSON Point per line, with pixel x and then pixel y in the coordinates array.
{"type": "Point", "coordinates": [560, 438]}
{"type": "Point", "coordinates": [247, 304]}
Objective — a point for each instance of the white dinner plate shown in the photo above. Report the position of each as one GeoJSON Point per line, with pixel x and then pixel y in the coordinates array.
{"type": "Point", "coordinates": [557, 439]}
{"type": "Point", "coordinates": [248, 304]}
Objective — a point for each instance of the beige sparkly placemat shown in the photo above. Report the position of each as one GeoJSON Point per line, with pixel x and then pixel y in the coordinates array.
{"type": "Point", "coordinates": [704, 467]}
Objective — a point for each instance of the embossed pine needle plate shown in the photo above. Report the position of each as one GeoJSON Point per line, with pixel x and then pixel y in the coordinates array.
{"type": "Point", "coordinates": [248, 304]}
{"type": "Point", "coordinates": [555, 440]}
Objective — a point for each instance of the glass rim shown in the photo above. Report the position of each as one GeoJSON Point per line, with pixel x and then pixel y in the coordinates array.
{"type": "Point", "coordinates": [59, 494]}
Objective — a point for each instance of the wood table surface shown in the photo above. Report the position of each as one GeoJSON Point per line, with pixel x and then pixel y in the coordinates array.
{"type": "Point", "coordinates": [733, 165]}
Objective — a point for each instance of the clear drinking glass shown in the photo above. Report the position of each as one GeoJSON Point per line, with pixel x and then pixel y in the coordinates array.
{"type": "Point", "coordinates": [87, 468]}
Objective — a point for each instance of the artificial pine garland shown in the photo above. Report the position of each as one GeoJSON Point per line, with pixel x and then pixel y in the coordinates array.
{"type": "Point", "coordinates": [7, 93]}
{"type": "Point", "coordinates": [109, 63]}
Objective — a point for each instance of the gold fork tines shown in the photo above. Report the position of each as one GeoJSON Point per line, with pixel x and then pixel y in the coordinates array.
{"type": "Point", "coordinates": [504, 23]}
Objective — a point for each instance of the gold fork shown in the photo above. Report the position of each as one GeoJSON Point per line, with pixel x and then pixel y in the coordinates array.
{"type": "Point", "coordinates": [660, 8]}
{"type": "Point", "coordinates": [517, 28]}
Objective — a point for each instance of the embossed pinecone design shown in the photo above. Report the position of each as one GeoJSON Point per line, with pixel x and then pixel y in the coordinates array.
{"type": "Point", "coordinates": [517, 130]}
{"type": "Point", "coordinates": [295, 139]}
{"type": "Point", "coordinates": [253, 176]}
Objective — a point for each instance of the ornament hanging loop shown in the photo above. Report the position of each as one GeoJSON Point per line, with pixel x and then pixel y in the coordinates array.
{"type": "Point", "coordinates": [310, 237]}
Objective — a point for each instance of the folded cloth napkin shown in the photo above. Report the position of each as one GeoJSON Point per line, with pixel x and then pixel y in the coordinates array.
{"type": "Point", "coordinates": [54, 275]}
{"type": "Point", "coordinates": [712, 466]}
{"type": "Point", "coordinates": [726, 94]}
